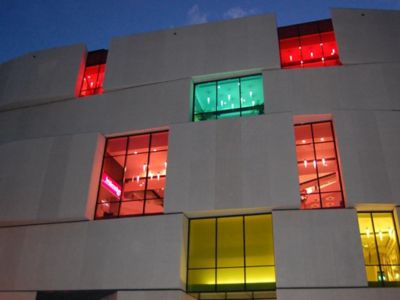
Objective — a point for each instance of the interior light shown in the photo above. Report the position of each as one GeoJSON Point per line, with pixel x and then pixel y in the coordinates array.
{"type": "Point", "coordinates": [367, 232]}
{"type": "Point", "coordinates": [321, 44]}
{"type": "Point", "coordinates": [303, 141]}
{"type": "Point", "coordinates": [322, 139]}
{"type": "Point", "coordinates": [309, 190]}
{"type": "Point", "coordinates": [233, 105]}
{"type": "Point", "coordinates": [165, 164]}
{"type": "Point", "coordinates": [302, 62]}
{"type": "Point", "coordinates": [219, 87]}
{"type": "Point", "coordinates": [291, 58]}
{"type": "Point", "coordinates": [222, 103]}
{"type": "Point", "coordinates": [144, 167]}
{"type": "Point", "coordinates": [151, 175]}
{"type": "Point", "coordinates": [391, 232]}
{"type": "Point", "coordinates": [315, 164]}
{"type": "Point", "coordinates": [380, 235]}
{"type": "Point", "coordinates": [251, 93]}
{"type": "Point", "coordinates": [299, 47]}
{"type": "Point", "coordinates": [324, 162]}
{"type": "Point", "coordinates": [333, 52]}
{"type": "Point", "coordinates": [322, 58]}
{"type": "Point", "coordinates": [208, 100]}
{"type": "Point", "coordinates": [135, 152]}
{"type": "Point", "coordinates": [253, 103]}
{"type": "Point", "coordinates": [397, 276]}
{"type": "Point", "coordinates": [243, 100]}
{"type": "Point", "coordinates": [158, 176]}
{"type": "Point", "coordinates": [229, 97]}
{"type": "Point", "coordinates": [312, 54]}
{"type": "Point", "coordinates": [137, 178]}
{"type": "Point", "coordinates": [238, 83]}
{"type": "Point", "coordinates": [305, 164]}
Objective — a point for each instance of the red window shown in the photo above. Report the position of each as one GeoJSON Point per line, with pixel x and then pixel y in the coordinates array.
{"type": "Point", "coordinates": [133, 176]}
{"type": "Point", "coordinates": [92, 83]}
{"type": "Point", "coordinates": [308, 45]}
{"type": "Point", "coordinates": [318, 166]}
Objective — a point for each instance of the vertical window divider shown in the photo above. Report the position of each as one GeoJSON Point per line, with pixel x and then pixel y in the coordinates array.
{"type": "Point", "coordinates": [337, 163]}
{"type": "Point", "coordinates": [244, 252]}
{"type": "Point", "coordinates": [240, 95]}
{"type": "Point", "coordinates": [377, 250]}
{"type": "Point", "coordinates": [123, 177]}
{"type": "Point", "coordinates": [216, 256]}
{"type": "Point", "coordinates": [316, 164]}
{"type": "Point", "coordinates": [147, 174]}
{"type": "Point", "coordinates": [216, 99]}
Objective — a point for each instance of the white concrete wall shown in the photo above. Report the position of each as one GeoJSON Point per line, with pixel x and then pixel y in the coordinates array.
{"type": "Point", "coordinates": [41, 77]}
{"type": "Point", "coordinates": [322, 90]}
{"type": "Point", "coordinates": [369, 144]}
{"type": "Point", "coordinates": [340, 294]}
{"type": "Point", "coordinates": [232, 163]}
{"type": "Point", "coordinates": [232, 45]}
{"type": "Point", "coordinates": [318, 249]}
{"type": "Point", "coordinates": [50, 179]}
{"type": "Point", "coordinates": [367, 36]}
{"type": "Point", "coordinates": [129, 253]}
{"type": "Point", "coordinates": [125, 111]}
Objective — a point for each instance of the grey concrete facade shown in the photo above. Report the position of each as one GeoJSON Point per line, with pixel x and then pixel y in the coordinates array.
{"type": "Point", "coordinates": [52, 144]}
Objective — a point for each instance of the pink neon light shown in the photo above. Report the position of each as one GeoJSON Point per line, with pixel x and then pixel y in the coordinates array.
{"type": "Point", "coordinates": [111, 185]}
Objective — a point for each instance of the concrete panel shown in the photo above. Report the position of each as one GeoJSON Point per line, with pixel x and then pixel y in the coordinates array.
{"type": "Point", "coordinates": [240, 44]}
{"type": "Point", "coordinates": [232, 163]}
{"type": "Point", "coordinates": [322, 90]}
{"type": "Point", "coordinates": [367, 36]}
{"type": "Point", "coordinates": [318, 249]}
{"type": "Point", "coordinates": [51, 179]}
{"type": "Point", "coordinates": [340, 294]}
{"type": "Point", "coordinates": [125, 111]}
{"type": "Point", "coordinates": [369, 143]}
{"type": "Point", "coordinates": [130, 253]}
{"type": "Point", "coordinates": [151, 295]}
{"type": "Point", "coordinates": [18, 296]}
{"type": "Point", "coordinates": [41, 77]}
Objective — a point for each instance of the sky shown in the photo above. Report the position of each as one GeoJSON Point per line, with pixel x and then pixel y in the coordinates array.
{"type": "Point", "coordinates": [31, 25]}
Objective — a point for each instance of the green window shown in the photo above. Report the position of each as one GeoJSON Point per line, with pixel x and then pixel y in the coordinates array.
{"type": "Point", "coordinates": [235, 97]}
{"type": "Point", "coordinates": [380, 247]}
{"type": "Point", "coordinates": [228, 254]}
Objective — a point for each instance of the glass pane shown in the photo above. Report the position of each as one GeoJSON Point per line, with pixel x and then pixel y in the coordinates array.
{"type": "Point", "coordinates": [131, 208]}
{"type": "Point", "coordinates": [328, 175]}
{"type": "Point", "coordinates": [374, 276]}
{"type": "Point", "coordinates": [368, 239]}
{"type": "Point", "coordinates": [311, 48]}
{"type": "Point", "coordinates": [135, 183]}
{"type": "Point", "coordinates": [259, 243]}
{"type": "Point", "coordinates": [391, 275]}
{"type": "Point", "coordinates": [251, 88]}
{"type": "Point", "coordinates": [139, 144]}
{"type": "Point", "coordinates": [205, 116]}
{"type": "Point", "coordinates": [228, 94]}
{"type": "Point", "coordinates": [116, 147]}
{"type": "Point", "coordinates": [201, 280]}
{"type": "Point", "coordinates": [230, 279]}
{"type": "Point", "coordinates": [205, 97]}
{"type": "Point", "coordinates": [386, 238]}
{"type": "Point", "coordinates": [228, 115]}
{"type": "Point", "coordinates": [159, 141]}
{"type": "Point", "coordinates": [310, 201]}
{"type": "Point", "coordinates": [322, 132]}
{"type": "Point", "coordinates": [154, 206]}
{"type": "Point", "coordinates": [202, 243]}
{"type": "Point", "coordinates": [303, 134]}
{"type": "Point", "coordinates": [260, 278]}
{"type": "Point", "coordinates": [107, 210]}
{"type": "Point", "coordinates": [111, 179]}
{"type": "Point", "coordinates": [332, 199]}
{"type": "Point", "coordinates": [230, 242]}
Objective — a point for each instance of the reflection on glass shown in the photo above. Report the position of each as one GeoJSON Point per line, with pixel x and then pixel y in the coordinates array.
{"type": "Point", "coordinates": [380, 248]}
{"type": "Point", "coordinates": [134, 173]}
{"type": "Point", "coordinates": [228, 98]}
{"type": "Point", "coordinates": [231, 254]}
{"type": "Point", "coordinates": [318, 167]}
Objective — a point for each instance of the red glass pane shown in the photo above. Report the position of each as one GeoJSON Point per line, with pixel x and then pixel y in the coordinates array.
{"type": "Point", "coordinates": [139, 144]}
{"type": "Point", "coordinates": [310, 201]}
{"type": "Point", "coordinates": [332, 200]}
{"type": "Point", "coordinates": [303, 134]}
{"type": "Point", "coordinates": [136, 175]}
{"type": "Point", "coordinates": [131, 208]}
{"type": "Point", "coordinates": [322, 132]}
{"type": "Point", "coordinates": [107, 210]}
{"type": "Point", "coordinates": [116, 146]}
{"type": "Point", "coordinates": [92, 82]}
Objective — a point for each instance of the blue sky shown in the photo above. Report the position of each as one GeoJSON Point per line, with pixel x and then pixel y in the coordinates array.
{"type": "Point", "coordinates": [30, 25]}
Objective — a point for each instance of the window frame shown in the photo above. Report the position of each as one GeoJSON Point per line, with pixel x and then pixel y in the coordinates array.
{"type": "Point", "coordinates": [126, 155]}
{"type": "Point", "coordinates": [216, 113]}
{"type": "Point", "coordinates": [216, 268]}
{"type": "Point", "coordinates": [343, 202]}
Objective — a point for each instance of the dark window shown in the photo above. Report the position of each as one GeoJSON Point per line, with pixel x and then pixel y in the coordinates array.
{"type": "Point", "coordinates": [228, 98]}
{"type": "Point", "coordinates": [92, 82]}
{"type": "Point", "coordinates": [318, 166]}
{"type": "Point", "coordinates": [308, 45]}
{"type": "Point", "coordinates": [133, 176]}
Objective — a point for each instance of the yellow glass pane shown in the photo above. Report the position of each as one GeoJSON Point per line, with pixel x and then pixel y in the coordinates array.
{"type": "Point", "coordinates": [201, 280]}
{"type": "Point", "coordinates": [230, 279]}
{"type": "Point", "coordinates": [386, 238]}
{"type": "Point", "coordinates": [230, 250]}
{"type": "Point", "coordinates": [202, 243]}
{"type": "Point", "coordinates": [260, 278]}
{"type": "Point", "coordinates": [259, 242]}
{"type": "Point", "coordinates": [368, 239]}
{"type": "Point", "coordinates": [391, 275]}
{"type": "Point", "coordinates": [373, 275]}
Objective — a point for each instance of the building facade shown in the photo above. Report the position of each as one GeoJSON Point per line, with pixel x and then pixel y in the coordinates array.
{"type": "Point", "coordinates": [228, 160]}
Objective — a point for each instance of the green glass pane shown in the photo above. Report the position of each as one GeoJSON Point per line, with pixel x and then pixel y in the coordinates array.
{"type": "Point", "coordinates": [205, 97]}
{"type": "Point", "coordinates": [259, 242]}
{"type": "Point", "coordinates": [230, 279]}
{"type": "Point", "coordinates": [229, 115]}
{"type": "Point", "coordinates": [368, 239]}
{"type": "Point", "coordinates": [386, 238]}
{"type": "Point", "coordinates": [205, 116]}
{"type": "Point", "coordinates": [202, 243]}
{"type": "Point", "coordinates": [230, 242]}
{"type": "Point", "coordinates": [252, 112]}
{"type": "Point", "coordinates": [228, 94]}
{"type": "Point", "coordinates": [201, 280]}
{"type": "Point", "coordinates": [260, 278]}
{"type": "Point", "coordinates": [252, 92]}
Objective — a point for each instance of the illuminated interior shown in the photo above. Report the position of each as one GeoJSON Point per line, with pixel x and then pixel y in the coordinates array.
{"type": "Point", "coordinates": [133, 176]}
{"type": "Point", "coordinates": [235, 97]}
{"type": "Point", "coordinates": [228, 254]}
{"type": "Point", "coordinates": [380, 247]}
{"type": "Point", "coordinates": [308, 45]}
{"type": "Point", "coordinates": [93, 78]}
{"type": "Point", "coordinates": [318, 167]}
